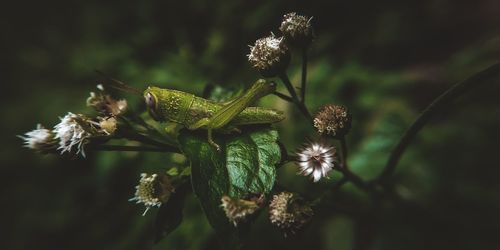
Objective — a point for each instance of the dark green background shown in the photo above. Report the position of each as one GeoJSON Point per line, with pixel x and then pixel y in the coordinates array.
{"type": "Point", "coordinates": [386, 60]}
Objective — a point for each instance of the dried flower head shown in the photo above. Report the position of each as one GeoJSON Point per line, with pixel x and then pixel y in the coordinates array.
{"type": "Point", "coordinates": [316, 160]}
{"type": "Point", "coordinates": [237, 210]}
{"type": "Point", "coordinates": [105, 104]}
{"type": "Point", "coordinates": [74, 132]}
{"type": "Point", "coordinates": [334, 120]}
{"type": "Point", "coordinates": [297, 29]}
{"type": "Point", "coordinates": [153, 190]}
{"type": "Point", "coordinates": [41, 140]}
{"type": "Point", "coordinates": [289, 212]}
{"type": "Point", "coordinates": [269, 55]}
{"type": "Point", "coordinates": [108, 125]}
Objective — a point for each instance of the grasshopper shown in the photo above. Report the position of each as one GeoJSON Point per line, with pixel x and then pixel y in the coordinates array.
{"type": "Point", "coordinates": [195, 112]}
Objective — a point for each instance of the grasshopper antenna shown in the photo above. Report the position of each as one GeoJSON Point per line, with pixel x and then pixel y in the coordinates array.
{"type": "Point", "coordinates": [119, 85]}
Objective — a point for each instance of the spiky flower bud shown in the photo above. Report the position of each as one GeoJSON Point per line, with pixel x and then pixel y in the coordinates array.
{"type": "Point", "coordinates": [41, 140]}
{"type": "Point", "coordinates": [106, 105]}
{"type": "Point", "coordinates": [289, 212]}
{"type": "Point", "coordinates": [269, 55]}
{"type": "Point", "coordinates": [153, 190]}
{"type": "Point", "coordinates": [334, 120]}
{"type": "Point", "coordinates": [237, 210]}
{"type": "Point", "coordinates": [74, 132]}
{"type": "Point", "coordinates": [316, 159]}
{"type": "Point", "coordinates": [297, 29]}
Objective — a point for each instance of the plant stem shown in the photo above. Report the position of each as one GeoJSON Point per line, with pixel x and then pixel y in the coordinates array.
{"type": "Point", "coordinates": [343, 147]}
{"type": "Point", "coordinates": [304, 75]}
{"type": "Point", "coordinates": [445, 98]}
{"type": "Point", "coordinates": [295, 98]}
{"type": "Point", "coordinates": [129, 148]}
{"type": "Point", "coordinates": [283, 96]}
{"type": "Point", "coordinates": [133, 135]}
{"type": "Point", "coordinates": [334, 189]}
{"type": "Point", "coordinates": [355, 179]}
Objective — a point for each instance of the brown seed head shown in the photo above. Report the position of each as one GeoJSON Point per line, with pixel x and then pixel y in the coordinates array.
{"type": "Point", "coordinates": [297, 29]}
{"type": "Point", "coordinates": [269, 55]}
{"type": "Point", "coordinates": [334, 120]}
{"type": "Point", "coordinates": [237, 210]}
{"type": "Point", "coordinates": [289, 212]}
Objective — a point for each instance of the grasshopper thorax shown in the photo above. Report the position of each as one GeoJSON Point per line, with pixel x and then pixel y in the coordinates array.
{"type": "Point", "coordinates": [167, 104]}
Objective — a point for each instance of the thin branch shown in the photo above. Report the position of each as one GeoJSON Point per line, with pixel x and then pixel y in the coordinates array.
{"type": "Point", "coordinates": [334, 189]}
{"type": "Point", "coordinates": [304, 75]}
{"type": "Point", "coordinates": [445, 98]}
{"type": "Point", "coordinates": [283, 96]}
{"type": "Point", "coordinates": [295, 98]}
{"type": "Point", "coordinates": [343, 147]}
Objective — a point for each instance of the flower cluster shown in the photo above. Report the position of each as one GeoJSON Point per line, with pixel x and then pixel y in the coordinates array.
{"type": "Point", "coordinates": [75, 131]}
{"type": "Point", "coordinates": [41, 140]}
{"type": "Point", "coordinates": [289, 212]}
{"type": "Point", "coordinates": [297, 29]}
{"type": "Point", "coordinates": [106, 105]}
{"type": "Point", "coordinates": [153, 190]}
{"type": "Point", "coordinates": [271, 55]}
{"type": "Point", "coordinates": [237, 210]}
{"type": "Point", "coordinates": [334, 120]}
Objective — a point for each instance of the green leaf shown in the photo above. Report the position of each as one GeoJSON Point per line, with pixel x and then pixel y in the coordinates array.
{"type": "Point", "coordinates": [169, 216]}
{"type": "Point", "coordinates": [245, 165]}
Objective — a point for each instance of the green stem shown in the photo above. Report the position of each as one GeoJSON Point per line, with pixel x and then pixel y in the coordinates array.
{"type": "Point", "coordinates": [304, 75]}
{"type": "Point", "coordinates": [295, 98]}
{"type": "Point", "coordinates": [132, 135]}
{"type": "Point", "coordinates": [129, 148]}
{"type": "Point", "coordinates": [445, 98]}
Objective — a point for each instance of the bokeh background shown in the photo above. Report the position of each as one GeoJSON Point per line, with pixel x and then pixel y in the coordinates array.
{"type": "Point", "coordinates": [385, 60]}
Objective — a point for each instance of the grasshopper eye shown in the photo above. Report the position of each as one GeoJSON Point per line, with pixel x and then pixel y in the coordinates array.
{"type": "Point", "coordinates": [151, 103]}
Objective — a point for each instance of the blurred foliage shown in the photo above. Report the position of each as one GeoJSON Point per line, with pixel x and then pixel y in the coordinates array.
{"type": "Point", "coordinates": [385, 60]}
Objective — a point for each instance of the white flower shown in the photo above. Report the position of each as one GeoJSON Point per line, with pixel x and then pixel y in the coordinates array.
{"type": "Point", "coordinates": [316, 159]}
{"type": "Point", "coordinates": [40, 139]}
{"type": "Point", "coordinates": [73, 132]}
{"type": "Point", "coordinates": [153, 190]}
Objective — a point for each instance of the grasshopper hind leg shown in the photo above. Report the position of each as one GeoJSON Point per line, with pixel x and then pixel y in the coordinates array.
{"type": "Point", "coordinates": [205, 122]}
{"type": "Point", "coordinates": [212, 142]}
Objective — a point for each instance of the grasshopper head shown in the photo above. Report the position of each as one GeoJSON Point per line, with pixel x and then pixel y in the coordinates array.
{"type": "Point", "coordinates": [151, 99]}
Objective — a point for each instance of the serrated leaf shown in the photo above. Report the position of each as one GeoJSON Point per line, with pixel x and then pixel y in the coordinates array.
{"type": "Point", "coordinates": [245, 165]}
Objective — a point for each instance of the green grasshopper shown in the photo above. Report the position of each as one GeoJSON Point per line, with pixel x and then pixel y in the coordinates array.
{"type": "Point", "coordinates": [195, 112]}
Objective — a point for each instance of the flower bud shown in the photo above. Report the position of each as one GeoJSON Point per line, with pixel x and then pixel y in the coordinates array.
{"type": "Point", "coordinates": [41, 140]}
{"type": "Point", "coordinates": [269, 55]}
{"type": "Point", "coordinates": [289, 212]}
{"type": "Point", "coordinates": [334, 120]}
{"type": "Point", "coordinates": [106, 105]}
{"type": "Point", "coordinates": [153, 190]}
{"type": "Point", "coordinates": [108, 125]}
{"type": "Point", "coordinates": [237, 210]}
{"type": "Point", "coordinates": [297, 30]}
